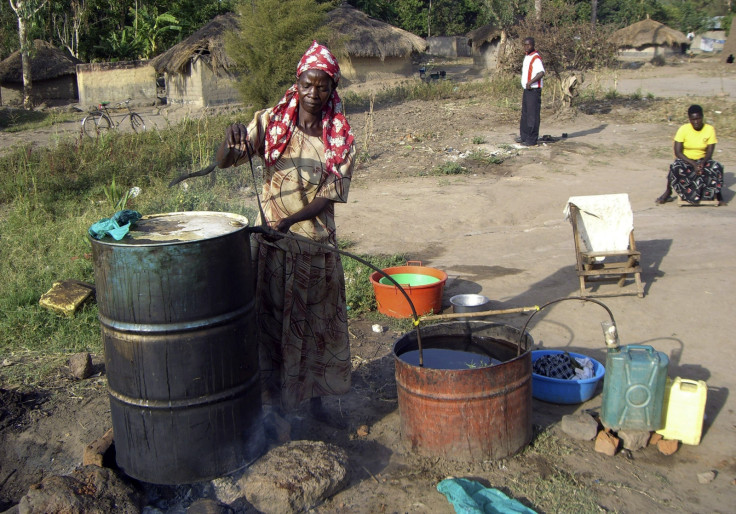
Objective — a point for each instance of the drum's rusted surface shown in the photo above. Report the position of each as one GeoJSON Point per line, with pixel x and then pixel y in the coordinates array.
{"type": "Point", "coordinates": [466, 414]}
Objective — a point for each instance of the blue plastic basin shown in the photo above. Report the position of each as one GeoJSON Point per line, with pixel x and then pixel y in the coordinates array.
{"type": "Point", "coordinates": [557, 390]}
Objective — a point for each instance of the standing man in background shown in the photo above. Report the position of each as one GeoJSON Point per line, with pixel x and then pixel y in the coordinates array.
{"type": "Point", "coordinates": [532, 71]}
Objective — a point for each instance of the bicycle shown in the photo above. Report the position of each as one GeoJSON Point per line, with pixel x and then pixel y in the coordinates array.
{"type": "Point", "coordinates": [101, 120]}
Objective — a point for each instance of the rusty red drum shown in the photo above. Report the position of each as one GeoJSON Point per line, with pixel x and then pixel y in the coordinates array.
{"type": "Point", "coordinates": [480, 406]}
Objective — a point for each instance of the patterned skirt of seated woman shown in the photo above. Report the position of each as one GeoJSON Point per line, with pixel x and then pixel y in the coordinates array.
{"type": "Point", "coordinates": [692, 186]}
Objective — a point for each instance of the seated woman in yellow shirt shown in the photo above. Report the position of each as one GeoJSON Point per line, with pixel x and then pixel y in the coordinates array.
{"type": "Point", "coordinates": [694, 175]}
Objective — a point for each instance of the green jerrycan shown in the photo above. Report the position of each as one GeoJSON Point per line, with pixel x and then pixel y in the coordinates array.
{"type": "Point", "coordinates": [633, 389]}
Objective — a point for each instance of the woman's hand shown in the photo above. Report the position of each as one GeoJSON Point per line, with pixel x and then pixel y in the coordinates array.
{"type": "Point", "coordinates": [233, 147]}
{"type": "Point", "coordinates": [283, 225]}
{"type": "Point", "coordinates": [700, 167]}
{"type": "Point", "coordinates": [310, 211]}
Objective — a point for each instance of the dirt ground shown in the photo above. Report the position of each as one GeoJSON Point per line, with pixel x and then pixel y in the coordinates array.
{"type": "Point", "coordinates": [500, 231]}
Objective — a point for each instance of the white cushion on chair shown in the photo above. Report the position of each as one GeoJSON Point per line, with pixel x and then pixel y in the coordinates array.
{"type": "Point", "coordinates": [604, 221]}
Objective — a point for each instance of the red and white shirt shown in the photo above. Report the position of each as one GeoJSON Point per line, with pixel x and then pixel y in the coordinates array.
{"type": "Point", "coordinates": [532, 65]}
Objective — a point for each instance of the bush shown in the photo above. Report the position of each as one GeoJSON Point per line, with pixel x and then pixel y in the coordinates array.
{"type": "Point", "coordinates": [484, 157]}
{"type": "Point", "coordinates": [449, 168]}
{"type": "Point", "coordinates": [273, 36]}
{"type": "Point", "coordinates": [567, 46]}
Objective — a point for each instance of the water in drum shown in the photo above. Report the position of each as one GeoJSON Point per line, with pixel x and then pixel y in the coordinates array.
{"type": "Point", "coordinates": [442, 358]}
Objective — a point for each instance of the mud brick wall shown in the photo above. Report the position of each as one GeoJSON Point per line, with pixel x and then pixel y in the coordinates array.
{"type": "Point", "coordinates": [200, 86]}
{"type": "Point", "coordinates": [115, 82]}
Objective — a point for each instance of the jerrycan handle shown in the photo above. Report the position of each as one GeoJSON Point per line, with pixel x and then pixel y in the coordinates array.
{"type": "Point", "coordinates": [640, 347]}
{"type": "Point", "coordinates": [644, 347]}
{"type": "Point", "coordinates": [685, 384]}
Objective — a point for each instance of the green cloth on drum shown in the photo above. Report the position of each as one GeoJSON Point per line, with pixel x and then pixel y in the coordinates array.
{"type": "Point", "coordinates": [116, 227]}
{"type": "Point", "coordinates": [470, 497]}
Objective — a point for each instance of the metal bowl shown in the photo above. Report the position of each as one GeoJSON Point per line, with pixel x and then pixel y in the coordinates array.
{"type": "Point", "coordinates": [470, 303]}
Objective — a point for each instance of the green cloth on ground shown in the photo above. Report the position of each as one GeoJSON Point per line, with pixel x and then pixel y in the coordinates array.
{"type": "Point", "coordinates": [117, 226]}
{"type": "Point", "coordinates": [469, 497]}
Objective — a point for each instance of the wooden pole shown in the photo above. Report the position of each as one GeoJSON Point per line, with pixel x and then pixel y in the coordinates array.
{"type": "Point", "coordinates": [455, 315]}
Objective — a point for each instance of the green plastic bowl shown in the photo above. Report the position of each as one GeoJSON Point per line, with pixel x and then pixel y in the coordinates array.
{"type": "Point", "coordinates": [410, 279]}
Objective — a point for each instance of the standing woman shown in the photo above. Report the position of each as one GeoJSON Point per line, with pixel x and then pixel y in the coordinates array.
{"type": "Point", "coordinates": [307, 146]}
{"type": "Point", "coordinates": [694, 175]}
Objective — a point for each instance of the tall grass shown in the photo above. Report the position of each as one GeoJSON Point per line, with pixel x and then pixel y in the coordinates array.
{"type": "Point", "coordinates": [48, 200]}
{"type": "Point", "coordinates": [17, 120]}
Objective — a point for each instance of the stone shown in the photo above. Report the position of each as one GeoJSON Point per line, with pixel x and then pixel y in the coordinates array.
{"type": "Point", "coordinates": [66, 296]}
{"type": "Point", "coordinates": [295, 477]}
{"type": "Point", "coordinates": [580, 426]}
{"type": "Point", "coordinates": [706, 477]}
{"type": "Point", "coordinates": [634, 439]}
{"type": "Point", "coordinates": [208, 506]}
{"type": "Point", "coordinates": [606, 443]}
{"type": "Point", "coordinates": [362, 431]}
{"type": "Point", "coordinates": [89, 489]}
{"type": "Point", "coordinates": [668, 446]}
{"type": "Point", "coordinates": [80, 365]}
{"type": "Point", "coordinates": [94, 452]}
{"type": "Point", "coordinates": [226, 489]}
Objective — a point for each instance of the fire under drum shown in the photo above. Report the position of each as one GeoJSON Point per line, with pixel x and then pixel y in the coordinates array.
{"type": "Point", "coordinates": [472, 399]}
{"type": "Point", "coordinates": [176, 308]}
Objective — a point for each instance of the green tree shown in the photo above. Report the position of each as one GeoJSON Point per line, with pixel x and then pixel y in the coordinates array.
{"type": "Point", "coordinates": [25, 11]}
{"type": "Point", "coordinates": [384, 10]}
{"type": "Point", "coordinates": [412, 15]}
{"type": "Point", "coordinates": [626, 12]}
{"type": "Point", "coordinates": [192, 14]}
{"type": "Point", "coordinates": [141, 39]}
{"type": "Point", "coordinates": [273, 36]}
{"type": "Point", "coordinates": [506, 13]}
{"type": "Point", "coordinates": [440, 17]}
{"type": "Point", "coordinates": [8, 31]}
{"type": "Point", "coordinates": [67, 25]}
{"type": "Point", "coordinates": [686, 17]}
{"type": "Point", "coordinates": [454, 18]}
{"type": "Point", "coordinates": [105, 21]}
{"type": "Point", "coordinates": [151, 27]}
{"type": "Point", "coordinates": [124, 45]}
{"type": "Point", "coordinates": [568, 45]}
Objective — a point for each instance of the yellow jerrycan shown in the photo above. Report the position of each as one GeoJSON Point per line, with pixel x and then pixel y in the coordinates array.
{"type": "Point", "coordinates": [683, 410]}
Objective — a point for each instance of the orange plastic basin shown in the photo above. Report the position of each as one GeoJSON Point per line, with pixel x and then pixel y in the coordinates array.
{"type": "Point", "coordinates": [425, 298]}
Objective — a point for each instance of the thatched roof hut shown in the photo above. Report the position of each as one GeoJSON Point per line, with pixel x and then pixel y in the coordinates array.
{"type": "Point", "coordinates": [485, 42]}
{"type": "Point", "coordinates": [368, 37]}
{"type": "Point", "coordinates": [485, 34]}
{"type": "Point", "coordinates": [374, 47]}
{"type": "Point", "coordinates": [198, 70]}
{"type": "Point", "coordinates": [649, 37]}
{"type": "Point", "coordinates": [47, 62]}
{"type": "Point", "coordinates": [53, 75]}
{"type": "Point", "coordinates": [208, 42]}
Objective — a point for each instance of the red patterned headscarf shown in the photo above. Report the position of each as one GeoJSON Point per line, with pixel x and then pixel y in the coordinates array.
{"type": "Point", "coordinates": [336, 133]}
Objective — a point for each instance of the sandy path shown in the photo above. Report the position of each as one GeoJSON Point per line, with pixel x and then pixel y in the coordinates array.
{"type": "Point", "coordinates": [507, 239]}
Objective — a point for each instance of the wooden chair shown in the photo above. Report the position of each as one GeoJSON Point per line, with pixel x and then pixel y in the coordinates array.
{"type": "Point", "coordinates": [605, 265]}
{"type": "Point", "coordinates": [683, 203]}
